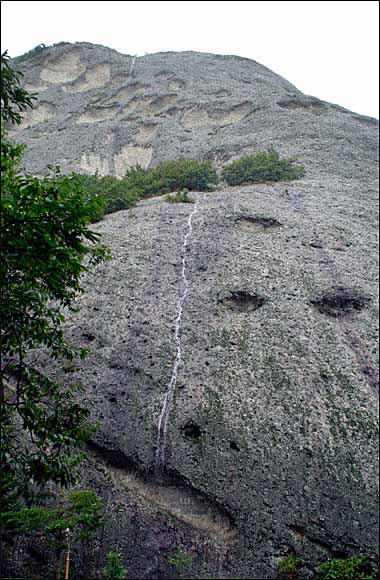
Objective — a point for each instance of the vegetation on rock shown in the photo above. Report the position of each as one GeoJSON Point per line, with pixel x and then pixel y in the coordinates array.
{"type": "Point", "coordinates": [180, 559]}
{"type": "Point", "coordinates": [114, 569]}
{"type": "Point", "coordinates": [181, 196]}
{"type": "Point", "coordinates": [353, 568]}
{"type": "Point", "coordinates": [112, 193]}
{"type": "Point", "coordinates": [261, 167]}
{"type": "Point", "coordinates": [171, 176]}
{"type": "Point", "coordinates": [289, 567]}
{"type": "Point", "coordinates": [181, 175]}
{"type": "Point", "coordinates": [139, 183]}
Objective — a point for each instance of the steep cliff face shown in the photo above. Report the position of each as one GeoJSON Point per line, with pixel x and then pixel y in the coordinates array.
{"type": "Point", "coordinates": [101, 110]}
{"type": "Point", "coordinates": [265, 296]}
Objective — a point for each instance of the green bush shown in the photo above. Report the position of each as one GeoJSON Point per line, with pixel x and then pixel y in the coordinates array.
{"type": "Point", "coordinates": [180, 559]}
{"type": "Point", "coordinates": [113, 194]}
{"type": "Point", "coordinates": [171, 176]}
{"type": "Point", "coordinates": [354, 568]}
{"type": "Point", "coordinates": [260, 167]}
{"type": "Point", "coordinates": [289, 567]}
{"type": "Point", "coordinates": [114, 569]}
{"type": "Point", "coordinates": [181, 196]}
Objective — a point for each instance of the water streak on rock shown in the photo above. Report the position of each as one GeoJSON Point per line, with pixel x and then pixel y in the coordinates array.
{"type": "Point", "coordinates": [163, 421]}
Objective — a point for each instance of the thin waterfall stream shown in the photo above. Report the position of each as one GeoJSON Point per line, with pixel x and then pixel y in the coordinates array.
{"type": "Point", "coordinates": [131, 69]}
{"type": "Point", "coordinates": [163, 421]}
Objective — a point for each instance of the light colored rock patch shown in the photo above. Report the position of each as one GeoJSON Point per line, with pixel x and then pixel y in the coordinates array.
{"type": "Point", "coordinates": [94, 78]}
{"type": "Point", "coordinates": [131, 155]}
{"type": "Point", "coordinates": [148, 105]}
{"type": "Point", "coordinates": [139, 88]}
{"type": "Point", "coordinates": [146, 134]}
{"type": "Point", "coordinates": [137, 105]}
{"type": "Point", "coordinates": [39, 115]}
{"type": "Point", "coordinates": [92, 163]}
{"type": "Point", "coordinates": [235, 115]}
{"type": "Point", "coordinates": [122, 96]}
{"type": "Point", "coordinates": [159, 104]}
{"type": "Point", "coordinates": [195, 118]}
{"type": "Point", "coordinates": [35, 88]}
{"type": "Point", "coordinates": [63, 69]}
{"type": "Point", "coordinates": [183, 504]}
{"type": "Point", "coordinates": [97, 114]}
{"type": "Point", "coordinates": [126, 93]}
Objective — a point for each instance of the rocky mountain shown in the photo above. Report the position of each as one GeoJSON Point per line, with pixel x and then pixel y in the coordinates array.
{"type": "Point", "coordinates": [233, 341]}
{"type": "Point", "coordinates": [99, 110]}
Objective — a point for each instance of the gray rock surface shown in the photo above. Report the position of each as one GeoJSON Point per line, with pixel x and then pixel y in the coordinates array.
{"type": "Point", "coordinates": [101, 110]}
{"type": "Point", "coordinates": [272, 440]}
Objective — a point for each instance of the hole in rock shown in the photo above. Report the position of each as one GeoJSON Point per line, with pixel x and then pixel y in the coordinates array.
{"type": "Point", "coordinates": [115, 457]}
{"type": "Point", "coordinates": [257, 223]}
{"type": "Point", "coordinates": [243, 301]}
{"type": "Point", "coordinates": [316, 245]}
{"type": "Point", "coordinates": [309, 104]}
{"type": "Point", "coordinates": [37, 555]}
{"type": "Point", "coordinates": [192, 430]}
{"type": "Point", "coordinates": [340, 302]}
{"type": "Point", "coordinates": [88, 337]}
{"type": "Point", "coordinates": [234, 446]}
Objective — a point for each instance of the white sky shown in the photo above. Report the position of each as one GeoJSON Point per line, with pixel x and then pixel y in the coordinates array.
{"type": "Point", "coordinates": [326, 49]}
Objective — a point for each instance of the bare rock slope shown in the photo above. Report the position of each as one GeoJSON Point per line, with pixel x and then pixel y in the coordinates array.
{"type": "Point", "coordinates": [271, 439]}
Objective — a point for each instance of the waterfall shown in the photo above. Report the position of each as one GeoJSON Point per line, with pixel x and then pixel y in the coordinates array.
{"type": "Point", "coordinates": [168, 399]}
{"type": "Point", "coordinates": [131, 68]}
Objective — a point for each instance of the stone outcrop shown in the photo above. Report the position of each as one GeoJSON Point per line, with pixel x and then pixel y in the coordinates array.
{"type": "Point", "coordinates": [272, 438]}
{"type": "Point", "coordinates": [120, 110]}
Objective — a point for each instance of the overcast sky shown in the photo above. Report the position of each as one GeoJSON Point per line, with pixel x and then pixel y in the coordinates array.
{"type": "Point", "coordinates": [326, 49]}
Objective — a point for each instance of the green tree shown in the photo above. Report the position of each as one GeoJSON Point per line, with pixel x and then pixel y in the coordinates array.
{"type": "Point", "coordinates": [75, 517]}
{"type": "Point", "coordinates": [45, 246]}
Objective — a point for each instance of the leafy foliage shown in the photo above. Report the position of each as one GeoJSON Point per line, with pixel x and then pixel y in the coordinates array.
{"type": "Point", "coordinates": [114, 569]}
{"type": "Point", "coordinates": [42, 251]}
{"type": "Point", "coordinates": [81, 513]}
{"type": "Point", "coordinates": [181, 196]}
{"type": "Point", "coordinates": [14, 99]}
{"type": "Point", "coordinates": [289, 567]}
{"type": "Point", "coordinates": [45, 246]}
{"type": "Point", "coordinates": [180, 559]}
{"type": "Point", "coordinates": [71, 519]}
{"type": "Point", "coordinates": [260, 167]}
{"type": "Point", "coordinates": [354, 568]}
{"type": "Point", "coordinates": [112, 194]}
{"type": "Point", "coordinates": [171, 176]}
